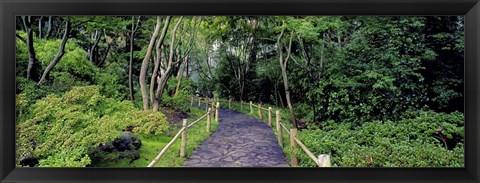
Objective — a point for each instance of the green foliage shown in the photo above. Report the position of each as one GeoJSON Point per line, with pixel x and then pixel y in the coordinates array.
{"type": "Point", "coordinates": [182, 97]}
{"type": "Point", "coordinates": [153, 144]}
{"type": "Point", "coordinates": [405, 143]}
{"type": "Point", "coordinates": [74, 61]}
{"type": "Point", "coordinates": [61, 130]}
{"type": "Point", "coordinates": [360, 84]}
{"type": "Point", "coordinates": [72, 70]}
{"type": "Point", "coordinates": [111, 78]}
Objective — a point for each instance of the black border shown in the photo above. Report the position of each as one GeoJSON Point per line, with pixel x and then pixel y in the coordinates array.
{"type": "Point", "coordinates": [10, 8]}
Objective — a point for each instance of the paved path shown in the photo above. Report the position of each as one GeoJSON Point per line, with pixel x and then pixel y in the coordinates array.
{"type": "Point", "coordinates": [239, 141]}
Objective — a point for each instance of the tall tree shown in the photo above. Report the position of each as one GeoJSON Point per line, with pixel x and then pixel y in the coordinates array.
{"type": "Point", "coordinates": [143, 70]}
{"type": "Point", "coordinates": [158, 58]}
{"type": "Point", "coordinates": [169, 67]}
{"type": "Point", "coordinates": [283, 65]}
{"type": "Point", "coordinates": [33, 64]}
{"type": "Point", "coordinates": [130, 65]}
{"type": "Point", "coordinates": [58, 57]}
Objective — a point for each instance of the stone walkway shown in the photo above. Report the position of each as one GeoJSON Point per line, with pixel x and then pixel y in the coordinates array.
{"type": "Point", "coordinates": [239, 141]}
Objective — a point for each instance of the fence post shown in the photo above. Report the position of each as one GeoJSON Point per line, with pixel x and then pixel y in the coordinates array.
{"type": "Point", "coordinates": [206, 104]}
{"type": "Point", "coordinates": [260, 111]}
{"type": "Point", "coordinates": [216, 111]}
{"type": "Point", "coordinates": [184, 139]}
{"type": "Point", "coordinates": [213, 108]}
{"type": "Point", "coordinates": [324, 160]}
{"type": "Point", "coordinates": [208, 120]}
{"type": "Point", "coordinates": [270, 116]}
{"type": "Point", "coordinates": [279, 129]}
{"type": "Point", "coordinates": [198, 101]}
{"type": "Point", "coordinates": [293, 144]}
{"type": "Point", "coordinates": [191, 102]}
{"type": "Point", "coordinates": [251, 109]}
{"type": "Point", "coordinates": [230, 103]}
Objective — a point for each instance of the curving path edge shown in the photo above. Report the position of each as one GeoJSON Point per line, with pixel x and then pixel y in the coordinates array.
{"type": "Point", "coordinates": [239, 141]}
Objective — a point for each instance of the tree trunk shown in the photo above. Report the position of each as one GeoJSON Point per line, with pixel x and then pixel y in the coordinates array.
{"type": "Point", "coordinates": [98, 35]}
{"type": "Point", "coordinates": [107, 50]}
{"type": "Point", "coordinates": [280, 98]}
{"type": "Point", "coordinates": [33, 65]}
{"type": "Point", "coordinates": [143, 70]}
{"type": "Point", "coordinates": [165, 76]}
{"type": "Point", "coordinates": [283, 65]}
{"type": "Point", "coordinates": [49, 29]}
{"type": "Point", "coordinates": [157, 61]}
{"type": "Point", "coordinates": [162, 81]}
{"type": "Point", "coordinates": [179, 76]}
{"type": "Point", "coordinates": [186, 70]}
{"type": "Point", "coordinates": [60, 53]}
{"type": "Point", "coordinates": [40, 27]}
{"type": "Point", "coordinates": [130, 67]}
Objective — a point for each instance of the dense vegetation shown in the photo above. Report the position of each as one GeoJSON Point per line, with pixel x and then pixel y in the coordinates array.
{"type": "Point", "coordinates": [371, 91]}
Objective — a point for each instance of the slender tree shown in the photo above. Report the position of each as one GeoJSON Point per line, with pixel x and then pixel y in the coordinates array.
{"type": "Point", "coordinates": [283, 65]}
{"type": "Point", "coordinates": [130, 65]}
{"type": "Point", "coordinates": [143, 70]}
{"type": "Point", "coordinates": [60, 53]}
{"type": "Point", "coordinates": [158, 58]}
{"type": "Point", "coordinates": [33, 65]}
{"type": "Point", "coordinates": [169, 67]}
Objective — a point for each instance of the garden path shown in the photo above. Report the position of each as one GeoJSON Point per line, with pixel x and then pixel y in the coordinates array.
{"type": "Point", "coordinates": [239, 141]}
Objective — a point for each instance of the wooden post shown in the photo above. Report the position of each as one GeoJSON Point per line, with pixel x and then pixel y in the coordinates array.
{"type": "Point", "coordinates": [191, 102]}
{"type": "Point", "coordinates": [241, 105]}
{"type": "Point", "coordinates": [184, 139]}
{"type": "Point", "coordinates": [198, 101]}
{"type": "Point", "coordinates": [213, 108]}
{"type": "Point", "coordinates": [251, 109]}
{"type": "Point", "coordinates": [260, 111]}
{"type": "Point", "coordinates": [230, 103]}
{"type": "Point", "coordinates": [270, 116]}
{"type": "Point", "coordinates": [206, 104]}
{"type": "Point", "coordinates": [293, 144]}
{"type": "Point", "coordinates": [279, 129]}
{"type": "Point", "coordinates": [324, 160]}
{"type": "Point", "coordinates": [208, 120]}
{"type": "Point", "coordinates": [216, 111]}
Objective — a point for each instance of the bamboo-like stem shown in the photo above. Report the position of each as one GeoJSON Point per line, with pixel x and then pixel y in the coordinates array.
{"type": "Point", "coordinates": [251, 109]}
{"type": "Point", "coordinates": [164, 150]}
{"type": "Point", "coordinates": [260, 116]}
{"type": "Point", "coordinates": [216, 111]}
{"type": "Point", "coordinates": [293, 144]}
{"type": "Point", "coordinates": [279, 129]}
{"type": "Point", "coordinates": [184, 139]}
{"type": "Point", "coordinates": [270, 116]}
{"type": "Point", "coordinates": [208, 120]}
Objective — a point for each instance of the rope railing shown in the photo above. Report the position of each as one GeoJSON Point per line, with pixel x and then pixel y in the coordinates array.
{"type": "Point", "coordinates": [198, 120]}
{"type": "Point", "coordinates": [164, 150]}
{"type": "Point", "coordinates": [183, 133]}
{"type": "Point", "coordinates": [285, 128]}
{"type": "Point", "coordinates": [323, 160]}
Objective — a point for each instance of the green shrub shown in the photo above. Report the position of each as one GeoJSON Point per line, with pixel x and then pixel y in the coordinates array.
{"type": "Point", "coordinates": [73, 69]}
{"type": "Point", "coordinates": [74, 61]}
{"type": "Point", "coordinates": [110, 78]}
{"type": "Point", "coordinates": [182, 97]}
{"type": "Point", "coordinates": [62, 130]}
{"type": "Point", "coordinates": [405, 143]}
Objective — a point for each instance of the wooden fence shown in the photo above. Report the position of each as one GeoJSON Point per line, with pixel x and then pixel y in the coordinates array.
{"type": "Point", "coordinates": [212, 112]}
{"type": "Point", "coordinates": [323, 160]}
